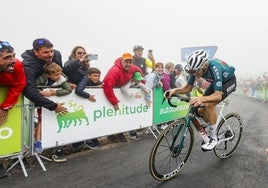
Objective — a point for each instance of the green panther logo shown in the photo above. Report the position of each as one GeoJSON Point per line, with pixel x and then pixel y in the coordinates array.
{"type": "Point", "coordinates": [72, 118]}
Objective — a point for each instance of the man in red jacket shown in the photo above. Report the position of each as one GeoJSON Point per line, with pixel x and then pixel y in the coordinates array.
{"type": "Point", "coordinates": [119, 75]}
{"type": "Point", "coordinates": [11, 76]}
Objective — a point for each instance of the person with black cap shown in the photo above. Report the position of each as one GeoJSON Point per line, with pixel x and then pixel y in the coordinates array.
{"type": "Point", "coordinates": [141, 62]}
{"type": "Point", "coordinates": [138, 60]}
{"type": "Point", "coordinates": [180, 77]}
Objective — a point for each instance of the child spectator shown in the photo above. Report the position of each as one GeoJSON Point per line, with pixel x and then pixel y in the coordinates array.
{"type": "Point", "coordinates": [52, 76]}
{"type": "Point", "coordinates": [136, 83]}
{"type": "Point", "coordinates": [92, 79]}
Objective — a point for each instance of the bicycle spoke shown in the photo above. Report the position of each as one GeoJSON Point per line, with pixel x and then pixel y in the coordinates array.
{"type": "Point", "coordinates": [169, 154]}
{"type": "Point", "coordinates": [229, 135]}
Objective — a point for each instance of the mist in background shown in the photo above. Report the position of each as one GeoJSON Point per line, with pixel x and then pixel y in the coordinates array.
{"type": "Point", "coordinates": [111, 27]}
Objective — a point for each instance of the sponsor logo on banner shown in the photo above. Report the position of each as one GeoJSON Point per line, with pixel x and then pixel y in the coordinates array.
{"type": "Point", "coordinates": [5, 133]}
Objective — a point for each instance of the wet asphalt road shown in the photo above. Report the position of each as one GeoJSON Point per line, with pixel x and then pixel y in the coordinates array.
{"type": "Point", "coordinates": [125, 165]}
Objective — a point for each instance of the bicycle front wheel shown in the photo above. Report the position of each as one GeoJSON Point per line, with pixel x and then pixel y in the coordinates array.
{"type": "Point", "coordinates": [171, 150]}
{"type": "Point", "coordinates": [229, 134]}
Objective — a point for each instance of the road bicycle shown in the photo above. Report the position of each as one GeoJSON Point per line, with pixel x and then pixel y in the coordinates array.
{"type": "Point", "coordinates": [174, 145]}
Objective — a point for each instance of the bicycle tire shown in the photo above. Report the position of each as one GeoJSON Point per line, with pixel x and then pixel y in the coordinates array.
{"type": "Point", "coordinates": [226, 148]}
{"type": "Point", "coordinates": [163, 162]}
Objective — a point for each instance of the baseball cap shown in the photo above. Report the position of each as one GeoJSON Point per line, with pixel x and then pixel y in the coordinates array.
{"type": "Point", "coordinates": [137, 76]}
{"type": "Point", "coordinates": [127, 56]}
{"type": "Point", "coordinates": [179, 67]}
{"type": "Point", "coordinates": [137, 47]}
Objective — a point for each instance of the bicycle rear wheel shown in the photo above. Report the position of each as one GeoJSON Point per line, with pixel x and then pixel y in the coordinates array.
{"type": "Point", "coordinates": [170, 152]}
{"type": "Point", "coordinates": [230, 132]}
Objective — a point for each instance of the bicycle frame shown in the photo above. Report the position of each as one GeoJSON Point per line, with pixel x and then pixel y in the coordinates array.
{"type": "Point", "coordinates": [191, 119]}
{"type": "Point", "coordinates": [174, 145]}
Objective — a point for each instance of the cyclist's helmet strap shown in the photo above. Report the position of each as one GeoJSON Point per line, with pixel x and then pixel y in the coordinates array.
{"type": "Point", "coordinates": [197, 60]}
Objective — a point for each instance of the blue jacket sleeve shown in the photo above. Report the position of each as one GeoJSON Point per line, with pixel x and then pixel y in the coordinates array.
{"type": "Point", "coordinates": [79, 90]}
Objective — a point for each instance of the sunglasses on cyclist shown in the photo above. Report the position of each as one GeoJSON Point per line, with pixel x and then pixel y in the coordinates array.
{"type": "Point", "coordinates": [4, 44]}
{"type": "Point", "coordinates": [189, 71]}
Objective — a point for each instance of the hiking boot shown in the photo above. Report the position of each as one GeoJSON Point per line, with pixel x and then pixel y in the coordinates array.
{"type": "Point", "coordinates": [3, 172]}
{"type": "Point", "coordinates": [93, 144]}
{"type": "Point", "coordinates": [38, 146]}
{"type": "Point", "coordinates": [112, 138]}
{"type": "Point", "coordinates": [210, 145]}
{"type": "Point", "coordinates": [77, 147]}
{"type": "Point", "coordinates": [121, 137]}
{"type": "Point", "coordinates": [134, 136]}
{"type": "Point", "coordinates": [59, 156]}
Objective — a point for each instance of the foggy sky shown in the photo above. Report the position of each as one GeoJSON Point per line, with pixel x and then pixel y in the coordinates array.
{"type": "Point", "coordinates": [111, 27]}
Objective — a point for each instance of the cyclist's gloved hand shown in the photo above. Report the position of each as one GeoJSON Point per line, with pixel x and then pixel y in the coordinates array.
{"type": "Point", "coordinates": [169, 93]}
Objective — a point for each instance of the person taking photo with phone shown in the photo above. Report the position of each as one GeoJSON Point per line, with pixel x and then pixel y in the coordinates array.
{"type": "Point", "coordinates": [76, 68]}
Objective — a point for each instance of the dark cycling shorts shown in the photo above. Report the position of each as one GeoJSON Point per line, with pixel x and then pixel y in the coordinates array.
{"type": "Point", "coordinates": [227, 88]}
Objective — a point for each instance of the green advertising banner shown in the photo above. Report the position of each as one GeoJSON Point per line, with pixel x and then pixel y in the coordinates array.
{"type": "Point", "coordinates": [163, 112]}
{"type": "Point", "coordinates": [260, 94]}
{"type": "Point", "coordinates": [27, 118]}
{"type": "Point", "coordinates": [10, 131]}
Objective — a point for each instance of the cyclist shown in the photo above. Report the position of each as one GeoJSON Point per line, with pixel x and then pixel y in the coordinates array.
{"type": "Point", "coordinates": [223, 82]}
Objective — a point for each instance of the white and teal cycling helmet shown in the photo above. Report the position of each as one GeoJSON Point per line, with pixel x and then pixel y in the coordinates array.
{"type": "Point", "coordinates": [196, 61]}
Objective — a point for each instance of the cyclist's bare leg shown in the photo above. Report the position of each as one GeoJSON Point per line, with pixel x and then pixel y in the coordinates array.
{"type": "Point", "coordinates": [210, 115]}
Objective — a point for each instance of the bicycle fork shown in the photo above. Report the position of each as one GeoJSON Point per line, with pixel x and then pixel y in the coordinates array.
{"type": "Point", "coordinates": [177, 149]}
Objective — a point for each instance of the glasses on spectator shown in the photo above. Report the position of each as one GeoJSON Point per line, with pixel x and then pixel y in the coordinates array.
{"type": "Point", "coordinates": [128, 60]}
{"type": "Point", "coordinates": [2, 44]}
{"type": "Point", "coordinates": [81, 53]}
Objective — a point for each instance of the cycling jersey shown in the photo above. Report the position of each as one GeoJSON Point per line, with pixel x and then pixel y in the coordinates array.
{"type": "Point", "coordinates": [218, 73]}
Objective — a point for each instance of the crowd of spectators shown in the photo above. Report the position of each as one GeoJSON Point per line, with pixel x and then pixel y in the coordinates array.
{"type": "Point", "coordinates": [127, 69]}
{"type": "Point", "coordinates": [254, 88]}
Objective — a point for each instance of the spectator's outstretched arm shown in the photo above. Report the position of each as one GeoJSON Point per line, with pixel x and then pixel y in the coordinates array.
{"type": "Point", "coordinates": [108, 85]}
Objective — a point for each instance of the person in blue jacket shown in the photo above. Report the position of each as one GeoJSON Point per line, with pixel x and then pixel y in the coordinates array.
{"type": "Point", "coordinates": [91, 79]}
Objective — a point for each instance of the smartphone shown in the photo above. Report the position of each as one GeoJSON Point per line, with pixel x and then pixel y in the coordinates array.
{"type": "Point", "coordinates": [150, 51]}
{"type": "Point", "coordinates": [93, 57]}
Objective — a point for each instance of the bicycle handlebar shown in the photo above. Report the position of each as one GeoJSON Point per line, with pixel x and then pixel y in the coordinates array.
{"type": "Point", "coordinates": [180, 97]}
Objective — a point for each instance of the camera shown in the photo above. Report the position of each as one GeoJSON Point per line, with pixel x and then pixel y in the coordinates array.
{"type": "Point", "coordinates": [92, 57]}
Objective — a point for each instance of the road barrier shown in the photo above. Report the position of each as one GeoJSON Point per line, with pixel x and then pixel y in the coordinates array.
{"type": "Point", "coordinates": [84, 120]}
